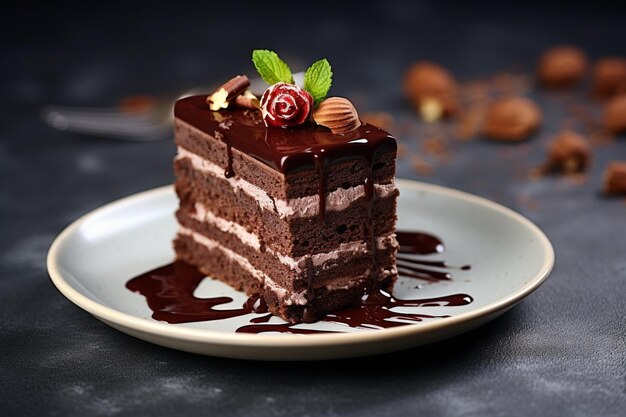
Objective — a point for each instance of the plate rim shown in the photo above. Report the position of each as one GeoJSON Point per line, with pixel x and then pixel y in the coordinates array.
{"type": "Point", "coordinates": [216, 337]}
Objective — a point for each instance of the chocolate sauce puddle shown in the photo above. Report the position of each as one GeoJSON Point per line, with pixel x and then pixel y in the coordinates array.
{"type": "Point", "coordinates": [419, 243]}
{"type": "Point", "coordinates": [169, 292]}
{"type": "Point", "coordinates": [370, 197]}
{"type": "Point", "coordinates": [374, 313]}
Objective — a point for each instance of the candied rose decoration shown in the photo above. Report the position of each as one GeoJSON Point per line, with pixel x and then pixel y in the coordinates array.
{"type": "Point", "coordinates": [284, 105]}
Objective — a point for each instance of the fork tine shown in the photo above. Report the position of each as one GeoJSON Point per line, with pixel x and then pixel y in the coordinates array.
{"type": "Point", "coordinates": [87, 112]}
{"type": "Point", "coordinates": [61, 118]}
{"type": "Point", "coordinates": [105, 122]}
{"type": "Point", "coordinates": [138, 133]}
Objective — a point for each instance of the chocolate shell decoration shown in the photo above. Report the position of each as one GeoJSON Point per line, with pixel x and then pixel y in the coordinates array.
{"type": "Point", "coordinates": [338, 114]}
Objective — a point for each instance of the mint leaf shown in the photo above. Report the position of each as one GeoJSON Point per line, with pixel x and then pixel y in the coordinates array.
{"type": "Point", "coordinates": [271, 68]}
{"type": "Point", "coordinates": [317, 80]}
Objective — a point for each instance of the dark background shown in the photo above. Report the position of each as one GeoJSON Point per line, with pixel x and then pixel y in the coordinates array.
{"type": "Point", "coordinates": [560, 352]}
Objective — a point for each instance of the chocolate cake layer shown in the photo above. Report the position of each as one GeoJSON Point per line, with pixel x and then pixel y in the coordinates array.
{"type": "Point", "coordinates": [299, 235]}
{"type": "Point", "coordinates": [213, 262]}
{"type": "Point", "coordinates": [293, 273]}
{"type": "Point", "coordinates": [233, 269]}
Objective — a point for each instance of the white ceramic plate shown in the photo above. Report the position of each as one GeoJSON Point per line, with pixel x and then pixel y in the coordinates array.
{"type": "Point", "coordinates": [92, 259]}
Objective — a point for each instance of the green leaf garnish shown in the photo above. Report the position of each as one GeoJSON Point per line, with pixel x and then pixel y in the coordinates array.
{"type": "Point", "coordinates": [317, 80]}
{"type": "Point", "coordinates": [271, 68]}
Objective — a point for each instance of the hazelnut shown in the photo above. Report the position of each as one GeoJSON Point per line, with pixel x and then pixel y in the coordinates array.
{"type": "Point", "coordinates": [615, 115]}
{"type": "Point", "coordinates": [569, 153]}
{"type": "Point", "coordinates": [609, 77]}
{"type": "Point", "coordinates": [338, 114]}
{"type": "Point", "coordinates": [615, 178]}
{"type": "Point", "coordinates": [431, 89]}
{"type": "Point", "coordinates": [562, 66]}
{"type": "Point", "coordinates": [511, 119]}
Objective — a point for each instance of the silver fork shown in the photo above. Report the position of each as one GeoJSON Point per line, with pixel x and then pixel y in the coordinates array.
{"type": "Point", "coordinates": [148, 125]}
{"type": "Point", "coordinates": [141, 126]}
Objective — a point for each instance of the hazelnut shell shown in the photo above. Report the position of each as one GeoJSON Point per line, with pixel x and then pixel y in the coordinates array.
{"type": "Point", "coordinates": [512, 119]}
{"type": "Point", "coordinates": [562, 66]}
{"type": "Point", "coordinates": [338, 114]}
{"type": "Point", "coordinates": [427, 82]}
{"type": "Point", "coordinates": [615, 115]}
{"type": "Point", "coordinates": [609, 77]}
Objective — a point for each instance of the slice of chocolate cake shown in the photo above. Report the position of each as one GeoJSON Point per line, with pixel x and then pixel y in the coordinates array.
{"type": "Point", "coordinates": [299, 214]}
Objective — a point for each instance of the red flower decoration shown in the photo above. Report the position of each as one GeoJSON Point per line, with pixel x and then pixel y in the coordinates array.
{"type": "Point", "coordinates": [285, 105]}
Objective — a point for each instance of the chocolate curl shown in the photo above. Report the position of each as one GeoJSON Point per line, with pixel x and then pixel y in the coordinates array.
{"type": "Point", "coordinates": [615, 178]}
{"type": "Point", "coordinates": [228, 92]}
{"type": "Point", "coordinates": [247, 100]}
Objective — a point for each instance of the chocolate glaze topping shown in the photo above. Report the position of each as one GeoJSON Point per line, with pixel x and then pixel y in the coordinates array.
{"type": "Point", "coordinates": [284, 149]}
{"type": "Point", "coordinates": [169, 293]}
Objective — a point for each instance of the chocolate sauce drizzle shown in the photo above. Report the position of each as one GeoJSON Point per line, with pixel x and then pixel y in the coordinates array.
{"type": "Point", "coordinates": [370, 198]}
{"type": "Point", "coordinates": [423, 244]}
{"type": "Point", "coordinates": [308, 316]}
{"type": "Point", "coordinates": [320, 165]}
{"type": "Point", "coordinates": [229, 173]}
{"type": "Point", "coordinates": [169, 293]}
{"type": "Point", "coordinates": [374, 313]}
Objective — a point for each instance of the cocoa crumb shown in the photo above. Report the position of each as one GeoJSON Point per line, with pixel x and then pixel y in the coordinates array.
{"type": "Point", "coordinates": [470, 122]}
{"type": "Point", "coordinates": [402, 150]}
{"type": "Point", "coordinates": [436, 146]}
{"type": "Point", "coordinates": [600, 138]}
{"type": "Point", "coordinates": [528, 202]}
{"type": "Point", "coordinates": [584, 113]}
{"type": "Point", "coordinates": [577, 178]}
{"type": "Point", "coordinates": [421, 166]}
{"type": "Point", "coordinates": [508, 83]}
{"type": "Point", "coordinates": [383, 120]}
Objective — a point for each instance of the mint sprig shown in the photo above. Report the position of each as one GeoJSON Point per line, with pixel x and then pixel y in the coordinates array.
{"type": "Point", "coordinates": [271, 68]}
{"type": "Point", "coordinates": [318, 79]}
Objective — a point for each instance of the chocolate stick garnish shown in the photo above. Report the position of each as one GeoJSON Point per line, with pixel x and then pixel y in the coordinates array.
{"type": "Point", "coordinates": [228, 92]}
{"type": "Point", "coordinates": [247, 100]}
